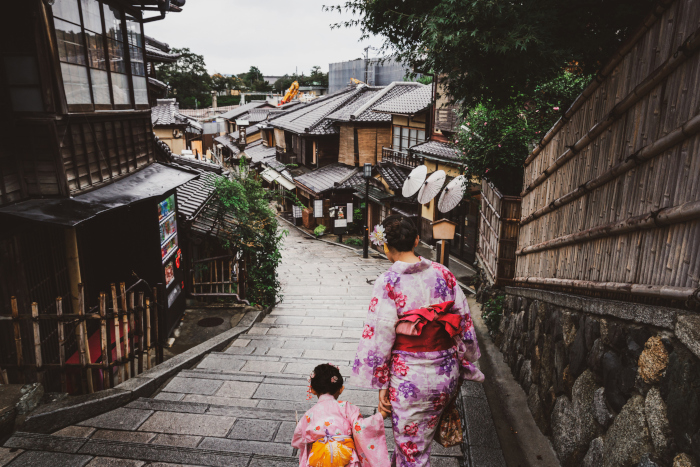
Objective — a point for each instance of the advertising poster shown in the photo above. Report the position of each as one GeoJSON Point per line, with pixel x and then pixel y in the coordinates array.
{"type": "Point", "coordinates": [169, 274]}
{"type": "Point", "coordinates": [349, 215]}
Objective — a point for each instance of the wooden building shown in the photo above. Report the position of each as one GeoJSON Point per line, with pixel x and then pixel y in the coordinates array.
{"type": "Point", "coordinates": [83, 197]}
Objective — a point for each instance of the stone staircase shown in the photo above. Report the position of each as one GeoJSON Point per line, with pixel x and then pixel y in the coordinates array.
{"type": "Point", "coordinates": [239, 407]}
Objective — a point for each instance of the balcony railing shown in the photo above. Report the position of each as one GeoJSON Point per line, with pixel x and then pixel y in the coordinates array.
{"type": "Point", "coordinates": [399, 158]}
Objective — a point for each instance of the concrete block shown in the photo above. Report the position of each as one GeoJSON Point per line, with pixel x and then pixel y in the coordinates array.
{"type": "Point", "coordinates": [254, 430]}
{"type": "Point", "coordinates": [119, 419]}
{"type": "Point", "coordinates": [124, 436]}
{"type": "Point", "coordinates": [53, 459]}
{"type": "Point", "coordinates": [257, 447]}
{"type": "Point", "coordinates": [177, 440]}
{"type": "Point", "coordinates": [206, 387]}
{"type": "Point", "coordinates": [188, 424]}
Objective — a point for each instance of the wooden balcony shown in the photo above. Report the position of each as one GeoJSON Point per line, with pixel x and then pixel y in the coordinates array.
{"type": "Point", "coordinates": [399, 158]}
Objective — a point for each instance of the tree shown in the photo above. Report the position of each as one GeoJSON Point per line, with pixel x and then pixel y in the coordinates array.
{"type": "Point", "coordinates": [221, 83]}
{"type": "Point", "coordinates": [491, 51]}
{"type": "Point", "coordinates": [187, 78]}
{"type": "Point", "coordinates": [254, 80]}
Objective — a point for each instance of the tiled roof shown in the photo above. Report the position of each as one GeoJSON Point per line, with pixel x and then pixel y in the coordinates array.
{"type": "Point", "coordinates": [155, 55]}
{"type": "Point", "coordinates": [361, 108]}
{"type": "Point", "coordinates": [436, 149]}
{"type": "Point", "coordinates": [355, 178]}
{"type": "Point", "coordinates": [167, 113]}
{"type": "Point", "coordinates": [214, 220]}
{"type": "Point", "coordinates": [394, 176]}
{"type": "Point", "coordinates": [409, 103]}
{"type": "Point", "coordinates": [311, 118]}
{"type": "Point", "coordinates": [324, 178]}
{"type": "Point", "coordinates": [258, 152]}
{"type": "Point", "coordinates": [250, 130]}
{"type": "Point", "coordinates": [257, 115]}
{"type": "Point", "coordinates": [244, 109]}
{"type": "Point", "coordinates": [194, 194]}
{"type": "Point", "coordinates": [375, 194]}
{"type": "Point", "coordinates": [157, 83]}
{"type": "Point", "coordinates": [227, 141]}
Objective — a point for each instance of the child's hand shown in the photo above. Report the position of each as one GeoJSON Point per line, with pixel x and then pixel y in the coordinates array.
{"type": "Point", "coordinates": [384, 413]}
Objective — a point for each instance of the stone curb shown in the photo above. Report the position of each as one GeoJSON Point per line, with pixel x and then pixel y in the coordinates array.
{"type": "Point", "coordinates": [51, 417]}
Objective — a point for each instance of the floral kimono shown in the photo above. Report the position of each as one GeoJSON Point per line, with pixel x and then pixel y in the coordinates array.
{"type": "Point", "coordinates": [330, 419]}
{"type": "Point", "coordinates": [420, 384]}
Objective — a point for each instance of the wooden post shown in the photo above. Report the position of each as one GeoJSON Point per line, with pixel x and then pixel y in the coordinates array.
{"type": "Point", "coordinates": [82, 343]}
{"type": "Point", "coordinates": [139, 328]}
{"type": "Point", "coordinates": [125, 334]}
{"type": "Point", "coordinates": [104, 341]}
{"type": "Point", "coordinates": [3, 376]}
{"type": "Point", "coordinates": [18, 339]}
{"type": "Point", "coordinates": [132, 335]}
{"type": "Point", "coordinates": [37, 343]}
{"type": "Point", "coordinates": [117, 345]}
{"type": "Point", "coordinates": [148, 333]}
{"type": "Point", "coordinates": [61, 343]}
{"type": "Point", "coordinates": [156, 327]}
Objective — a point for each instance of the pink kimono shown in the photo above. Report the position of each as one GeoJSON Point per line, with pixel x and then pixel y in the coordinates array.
{"type": "Point", "coordinates": [342, 419]}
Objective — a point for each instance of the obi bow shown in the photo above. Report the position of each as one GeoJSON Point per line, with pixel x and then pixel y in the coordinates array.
{"type": "Point", "coordinates": [412, 322]}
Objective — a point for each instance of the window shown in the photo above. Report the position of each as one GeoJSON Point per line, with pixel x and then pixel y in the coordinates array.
{"type": "Point", "coordinates": [101, 50]}
{"type": "Point", "coordinates": [405, 137]}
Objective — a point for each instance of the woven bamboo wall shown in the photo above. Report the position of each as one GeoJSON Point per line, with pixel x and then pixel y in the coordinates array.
{"type": "Point", "coordinates": [498, 233]}
{"type": "Point", "coordinates": [612, 197]}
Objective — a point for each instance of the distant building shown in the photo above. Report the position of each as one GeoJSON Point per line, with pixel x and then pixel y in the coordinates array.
{"type": "Point", "coordinates": [271, 80]}
{"type": "Point", "coordinates": [374, 72]}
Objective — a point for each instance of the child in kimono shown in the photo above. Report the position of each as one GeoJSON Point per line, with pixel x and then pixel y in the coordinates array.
{"type": "Point", "coordinates": [333, 433]}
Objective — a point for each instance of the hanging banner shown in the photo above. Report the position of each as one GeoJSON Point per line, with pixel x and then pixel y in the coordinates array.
{"type": "Point", "coordinates": [296, 212]}
{"type": "Point", "coordinates": [349, 213]}
{"type": "Point", "coordinates": [318, 208]}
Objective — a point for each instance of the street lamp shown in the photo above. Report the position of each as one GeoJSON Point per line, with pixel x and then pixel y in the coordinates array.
{"type": "Point", "coordinates": [367, 174]}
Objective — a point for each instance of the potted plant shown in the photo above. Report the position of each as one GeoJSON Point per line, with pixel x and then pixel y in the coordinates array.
{"type": "Point", "coordinates": [320, 230]}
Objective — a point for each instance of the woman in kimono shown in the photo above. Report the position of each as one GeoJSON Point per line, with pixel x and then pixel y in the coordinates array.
{"type": "Point", "coordinates": [418, 343]}
{"type": "Point", "coordinates": [333, 433]}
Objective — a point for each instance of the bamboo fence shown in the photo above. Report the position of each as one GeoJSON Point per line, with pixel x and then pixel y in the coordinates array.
{"type": "Point", "coordinates": [498, 233]}
{"type": "Point", "coordinates": [611, 203]}
{"type": "Point", "coordinates": [219, 276]}
{"type": "Point", "coordinates": [128, 336]}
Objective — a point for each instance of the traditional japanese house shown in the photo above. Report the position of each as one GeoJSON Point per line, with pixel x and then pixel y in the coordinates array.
{"type": "Point", "coordinates": [419, 135]}
{"type": "Point", "coordinates": [315, 189]}
{"type": "Point", "coordinates": [171, 127]}
{"type": "Point", "coordinates": [83, 198]}
{"type": "Point", "coordinates": [242, 113]}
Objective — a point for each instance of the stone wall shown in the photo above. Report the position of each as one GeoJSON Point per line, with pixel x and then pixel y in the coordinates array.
{"type": "Point", "coordinates": [610, 383]}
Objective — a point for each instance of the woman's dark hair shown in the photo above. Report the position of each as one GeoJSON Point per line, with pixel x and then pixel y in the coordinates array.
{"type": "Point", "coordinates": [323, 381]}
{"type": "Point", "coordinates": [400, 232]}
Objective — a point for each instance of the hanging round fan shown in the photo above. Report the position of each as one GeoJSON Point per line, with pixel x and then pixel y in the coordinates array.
{"type": "Point", "coordinates": [431, 187]}
{"type": "Point", "coordinates": [414, 181]}
{"type": "Point", "coordinates": [452, 194]}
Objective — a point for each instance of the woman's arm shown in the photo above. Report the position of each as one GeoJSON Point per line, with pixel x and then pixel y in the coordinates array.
{"type": "Point", "coordinates": [373, 358]}
{"type": "Point", "coordinates": [467, 346]}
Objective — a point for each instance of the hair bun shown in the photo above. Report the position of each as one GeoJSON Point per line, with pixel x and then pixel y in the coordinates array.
{"type": "Point", "coordinates": [400, 232]}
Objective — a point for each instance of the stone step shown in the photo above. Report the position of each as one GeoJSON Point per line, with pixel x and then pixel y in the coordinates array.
{"type": "Point", "coordinates": [264, 364]}
{"type": "Point", "coordinates": [72, 451]}
{"type": "Point", "coordinates": [305, 331]}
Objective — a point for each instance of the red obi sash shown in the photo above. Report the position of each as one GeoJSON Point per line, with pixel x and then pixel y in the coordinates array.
{"type": "Point", "coordinates": [428, 329]}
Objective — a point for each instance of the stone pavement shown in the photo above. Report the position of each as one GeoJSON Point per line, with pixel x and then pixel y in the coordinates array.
{"type": "Point", "coordinates": [239, 407]}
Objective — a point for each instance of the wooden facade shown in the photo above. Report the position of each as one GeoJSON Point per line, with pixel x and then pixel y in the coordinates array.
{"type": "Point", "coordinates": [360, 145]}
{"type": "Point", "coordinates": [498, 233]}
{"type": "Point", "coordinates": [612, 200]}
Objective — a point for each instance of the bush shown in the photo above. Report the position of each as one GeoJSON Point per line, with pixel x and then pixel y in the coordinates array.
{"type": "Point", "coordinates": [492, 312]}
{"type": "Point", "coordinates": [354, 242]}
{"type": "Point", "coordinates": [223, 101]}
{"type": "Point", "coordinates": [320, 230]}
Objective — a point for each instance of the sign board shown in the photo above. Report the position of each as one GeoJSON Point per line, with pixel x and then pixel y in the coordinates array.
{"type": "Point", "coordinates": [340, 226]}
{"type": "Point", "coordinates": [296, 212]}
{"type": "Point", "coordinates": [318, 208]}
{"type": "Point", "coordinates": [349, 214]}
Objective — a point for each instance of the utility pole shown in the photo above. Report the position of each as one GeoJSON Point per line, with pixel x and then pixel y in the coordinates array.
{"type": "Point", "coordinates": [367, 174]}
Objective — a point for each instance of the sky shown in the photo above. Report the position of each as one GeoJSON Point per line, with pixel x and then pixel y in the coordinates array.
{"type": "Point", "coordinates": [277, 36]}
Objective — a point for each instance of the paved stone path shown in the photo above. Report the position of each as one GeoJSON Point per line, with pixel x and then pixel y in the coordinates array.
{"type": "Point", "coordinates": [239, 407]}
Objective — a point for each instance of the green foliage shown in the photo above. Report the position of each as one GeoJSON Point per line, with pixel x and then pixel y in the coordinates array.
{"type": "Point", "coordinates": [354, 242]}
{"type": "Point", "coordinates": [492, 312]}
{"type": "Point", "coordinates": [490, 50]}
{"type": "Point", "coordinates": [228, 100]}
{"type": "Point", "coordinates": [319, 230]}
{"type": "Point", "coordinates": [254, 80]}
{"type": "Point", "coordinates": [495, 141]}
{"type": "Point", "coordinates": [254, 232]}
{"type": "Point", "coordinates": [425, 79]}
{"type": "Point", "coordinates": [188, 79]}
{"type": "Point", "coordinates": [316, 78]}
